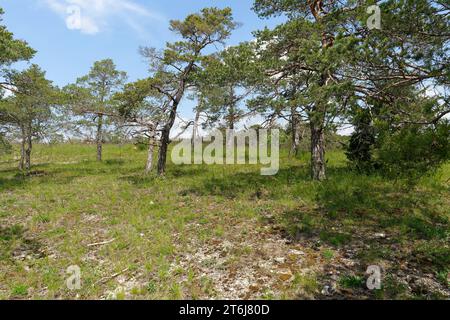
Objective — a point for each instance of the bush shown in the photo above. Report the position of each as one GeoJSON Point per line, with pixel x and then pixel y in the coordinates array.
{"type": "Point", "coordinates": [407, 152]}
{"type": "Point", "coordinates": [413, 151]}
{"type": "Point", "coordinates": [362, 141]}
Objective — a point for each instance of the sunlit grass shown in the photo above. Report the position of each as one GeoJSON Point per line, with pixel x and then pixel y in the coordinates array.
{"type": "Point", "coordinates": [49, 219]}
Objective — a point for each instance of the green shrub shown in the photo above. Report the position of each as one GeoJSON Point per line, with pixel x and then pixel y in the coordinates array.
{"type": "Point", "coordinates": [351, 282]}
{"type": "Point", "coordinates": [360, 147]}
{"type": "Point", "coordinates": [413, 151]}
{"type": "Point", "coordinates": [19, 290]}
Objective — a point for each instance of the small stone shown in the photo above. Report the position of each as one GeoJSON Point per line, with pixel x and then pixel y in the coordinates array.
{"type": "Point", "coordinates": [296, 252]}
{"type": "Point", "coordinates": [280, 260]}
{"type": "Point", "coordinates": [380, 235]}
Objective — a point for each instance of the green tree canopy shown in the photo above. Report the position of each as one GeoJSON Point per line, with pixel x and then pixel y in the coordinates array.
{"type": "Point", "coordinates": [92, 97]}
{"type": "Point", "coordinates": [326, 61]}
{"type": "Point", "coordinates": [29, 111]}
{"type": "Point", "coordinates": [11, 50]}
{"type": "Point", "coordinates": [227, 79]}
{"type": "Point", "coordinates": [173, 69]}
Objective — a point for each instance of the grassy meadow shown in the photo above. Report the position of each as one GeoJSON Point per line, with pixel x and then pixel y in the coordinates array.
{"type": "Point", "coordinates": [212, 232]}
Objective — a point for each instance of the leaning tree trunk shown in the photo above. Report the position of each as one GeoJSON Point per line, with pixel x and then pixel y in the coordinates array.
{"type": "Point", "coordinates": [165, 134]}
{"type": "Point", "coordinates": [318, 171]}
{"type": "Point", "coordinates": [165, 140]}
{"type": "Point", "coordinates": [99, 138]}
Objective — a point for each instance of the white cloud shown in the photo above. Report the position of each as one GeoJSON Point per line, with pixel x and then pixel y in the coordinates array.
{"type": "Point", "coordinates": [7, 91]}
{"type": "Point", "coordinates": [94, 16]}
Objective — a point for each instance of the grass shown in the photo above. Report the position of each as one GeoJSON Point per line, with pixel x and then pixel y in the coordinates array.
{"type": "Point", "coordinates": [214, 231]}
{"type": "Point", "coordinates": [351, 282]}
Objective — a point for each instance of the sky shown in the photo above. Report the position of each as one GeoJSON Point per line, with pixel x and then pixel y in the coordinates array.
{"type": "Point", "coordinates": [108, 29]}
{"type": "Point", "coordinates": [69, 35]}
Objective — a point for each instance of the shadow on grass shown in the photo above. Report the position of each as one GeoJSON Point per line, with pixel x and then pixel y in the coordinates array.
{"type": "Point", "coordinates": [62, 174]}
{"type": "Point", "coordinates": [115, 162]}
{"type": "Point", "coordinates": [375, 222]}
{"type": "Point", "coordinates": [360, 202]}
{"type": "Point", "coordinates": [14, 243]}
{"type": "Point", "coordinates": [139, 179]}
{"type": "Point", "coordinates": [12, 183]}
{"type": "Point", "coordinates": [248, 184]}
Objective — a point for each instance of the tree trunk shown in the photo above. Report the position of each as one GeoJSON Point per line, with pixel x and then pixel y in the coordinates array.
{"type": "Point", "coordinates": [149, 166]}
{"type": "Point", "coordinates": [196, 125]}
{"type": "Point", "coordinates": [231, 121]}
{"type": "Point", "coordinates": [165, 134]}
{"type": "Point", "coordinates": [162, 155]}
{"type": "Point", "coordinates": [99, 138]}
{"type": "Point", "coordinates": [317, 119]}
{"type": "Point", "coordinates": [318, 171]}
{"type": "Point", "coordinates": [231, 110]}
{"type": "Point", "coordinates": [151, 148]}
{"type": "Point", "coordinates": [28, 148]}
{"type": "Point", "coordinates": [165, 140]}
{"type": "Point", "coordinates": [22, 151]}
{"type": "Point", "coordinates": [296, 133]}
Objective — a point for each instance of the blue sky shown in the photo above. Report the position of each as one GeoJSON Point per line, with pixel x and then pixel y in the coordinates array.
{"type": "Point", "coordinates": [109, 29]}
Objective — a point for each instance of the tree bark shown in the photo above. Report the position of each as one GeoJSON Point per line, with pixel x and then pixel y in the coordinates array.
{"type": "Point", "coordinates": [25, 150]}
{"type": "Point", "coordinates": [196, 125]}
{"type": "Point", "coordinates": [317, 119]}
{"type": "Point", "coordinates": [296, 133]}
{"type": "Point", "coordinates": [165, 134]}
{"type": "Point", "coordinates": [151, 148]}
{"type": "Point", "coordinates": [22, 151]}
{"type": "Point", "coordinates": [99, 138]}
{"type": "Point", "coordinates": [28, 148]}
{"type": "Point", "coordinates": [318, 170]}
{"type": "Point", "coordinates": [165, 139]}
{"type": "Point", "coordinates": [149, 165]}
{"type": "Point", "coordinates": [231, 118]}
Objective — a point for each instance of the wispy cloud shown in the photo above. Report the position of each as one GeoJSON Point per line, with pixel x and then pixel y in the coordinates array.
{"type": "Point", "coordinates": [94, 16]}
